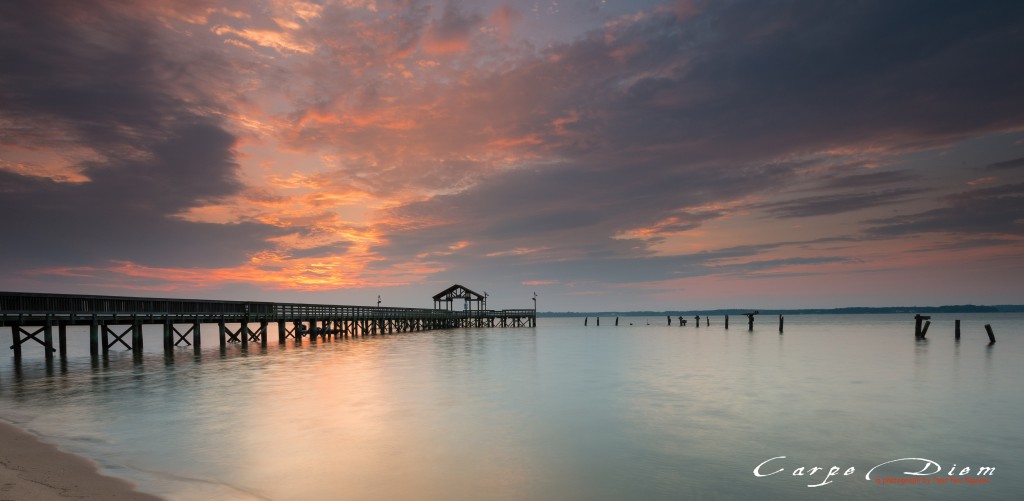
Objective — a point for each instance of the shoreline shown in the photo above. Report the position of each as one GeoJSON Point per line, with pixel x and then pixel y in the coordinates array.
{"type": "Point", "coordinates": [33, 469]}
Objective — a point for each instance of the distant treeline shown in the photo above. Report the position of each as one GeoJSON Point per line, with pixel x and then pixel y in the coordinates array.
{"type": "Point", "coordinates": [962, 308]}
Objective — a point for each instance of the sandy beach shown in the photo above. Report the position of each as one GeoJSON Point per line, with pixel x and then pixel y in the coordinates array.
{"type": "Point", "coordinates": [31, 470]}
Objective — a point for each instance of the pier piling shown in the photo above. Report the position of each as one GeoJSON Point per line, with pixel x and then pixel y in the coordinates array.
{"type": "Point", "coordinates": [991, 336]}
{"type": "Point", "coordinates": [168, 336]}
{"type": "Point", "coordinates": [16, 338]}
{"type": "Point", "coordinates": [196, 338]}
{"type": "Point", "coordinates": [918, 319]}
{"type": "Point", "coordinates": [48, 338]}
{"type": "Point", "coordinates": [94, 337]}
{"type": "Point", "coordinates": [62, 339]}
{"type": "Point", "coordinates": [111, 321]}
{"type": "Point", "coordinates": [105, 338]}
{"type": "Point", "coordinates": [136, 346]}
{"type": "Point", "coordinates": [956, 332]}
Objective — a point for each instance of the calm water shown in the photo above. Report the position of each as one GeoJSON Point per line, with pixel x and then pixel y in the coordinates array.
{"type": "Point", "coordinates": [561, 412]}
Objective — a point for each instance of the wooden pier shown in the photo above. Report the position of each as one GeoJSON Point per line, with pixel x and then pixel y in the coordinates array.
{"type": "Point", "coordinates": [117, 322]}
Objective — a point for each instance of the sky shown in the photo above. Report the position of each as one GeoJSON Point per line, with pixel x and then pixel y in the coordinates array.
{"type": "Point", "coordinates": [605, 155]}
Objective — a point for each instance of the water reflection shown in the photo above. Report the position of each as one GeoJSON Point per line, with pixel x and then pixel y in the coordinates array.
{"type": "Point", "coordinates": [556, 412]}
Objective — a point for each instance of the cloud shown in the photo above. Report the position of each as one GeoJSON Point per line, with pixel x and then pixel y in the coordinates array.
{"type": "Point", "coordinates": [867, 180]}
{"type": "Point", "coordinates": [505, 17]}
{"type": "Point", "coordinates": [997, 210]}
{"type": "Point", "coordinates": [1016, 163]}
{"type": "Point", "coordinates": [452, 31]}
{"type": "Point", "coordinates": [363, 140]}
{"type": "Point", "coordinates": [671, 111]}
{"type": "Point", "coordinates": [88, 76]}
{"type": "Point", "coordinates": [822, 205]}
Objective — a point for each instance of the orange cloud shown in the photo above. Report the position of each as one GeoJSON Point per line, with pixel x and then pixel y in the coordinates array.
{"type": "Point", "coordinates": [505, 18]}
{"type": "Point", "coordinates": [518, 251]}
{"type": "Point", "coordinates": [267, 270]}
{"type": "Point", "coordinates": [540, 282]}
{"type": "Point", "coordinates": [281, 42]}
{"type": "Point", "coordinates": [439, 45]}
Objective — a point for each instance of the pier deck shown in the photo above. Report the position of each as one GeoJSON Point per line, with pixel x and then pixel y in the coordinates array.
{"type": "Point", "coordinates": [117, 321]}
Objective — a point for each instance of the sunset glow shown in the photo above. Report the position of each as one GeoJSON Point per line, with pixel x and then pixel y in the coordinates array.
{"type": "Point", "coordinates": [606, 155]}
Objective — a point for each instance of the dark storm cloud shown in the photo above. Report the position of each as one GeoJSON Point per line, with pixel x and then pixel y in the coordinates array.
{"type": "Point", "coordinates": [86, 75]}
{"type": "Point", "coordinates": [1016, 163]}
{"type": "Point", "coordinates": [838, 203]}
{"type": "Point", "coordinates": [85, 69]}
{"type": "Point", "coordinates": [454, 24]}
{"type": "Point", "coordinates": [997, 210]}
{"type": "Point", "coordinates": [567, 208]}
{"type": "Point", "coordinates": [752, 80]}
{"type": "Point", "coordinates": [968, 244]}
{"type": "Point", "coordinates": [125, 212]}
{"type": "Point", "coordinates": [656, 114]}
{"type": "Point", "coordinates": [869, 180]}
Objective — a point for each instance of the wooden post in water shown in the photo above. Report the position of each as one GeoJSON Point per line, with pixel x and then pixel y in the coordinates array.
{"type": "Point", "coordinates": [956, 333]}
{"type": "Point", "coordinates": [781, 321]}
{"type": "Point", "coordinates": [924, 331]}
{"type": "Point", "coordinates": [918, 319]}
{"type": "Point", "coordinates": [94, 337]}
{"type": "Point", "coordinates": [196, 338]}
{"type": "Point", "coordinates": [750, 319]}
{"type": "Point", "coordinates": [16, 337]}
{"type": "Point", "coordinates": [585, 321]}
{"type": "Point", "coordinates": [669, 320]}
{"type": "Point", "coordinates": [136, 336]}
{"type": "Point", "coordinates": [697, 323]}
{"type": "Point", "coordinates": [991, 336]}
{"type": "Point", "coordinates": [62, 339]}
{"type": "Point", "coordinates": [598, 321]}
{"type": "Point", "coordinates": [263, 333]}
{"type": "Point", "coordinates": [223, 330]}
{"type": "Point", "coordinates": [707, 320]}
{"type": "Point", "coordinates": [281, 331]}
{"type": "Point", "coordinates": [727, 322]}
{"type": "Point", "coordinates": [616, 321]}
{"type": "Point", "coordinates": [105, 338]}
{"type": "Point", "coordinates": [168, 335]}
{"type": "Point", "coordinates": [48, 338]}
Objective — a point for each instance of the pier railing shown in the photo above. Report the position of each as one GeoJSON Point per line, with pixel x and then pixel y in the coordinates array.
{"type": "Point", "coordinates": [24, 312]}
{"type": "Point", "coordinates": [14, 304]}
